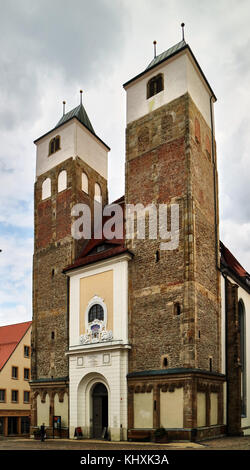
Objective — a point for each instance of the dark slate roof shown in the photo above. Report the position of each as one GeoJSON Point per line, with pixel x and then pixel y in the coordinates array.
{"type": "Point", "coordinates": [164, 55]}
{"type": "Point", "coordinates": [110, 248]}
{"type": "Point", "coordinates": [181, 370]}
{"type": "Point", "coordinates": [78, 113]}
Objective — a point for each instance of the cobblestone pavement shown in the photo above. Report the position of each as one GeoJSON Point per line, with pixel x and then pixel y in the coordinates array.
{"type": "Point", "coordinates": [226, 443]}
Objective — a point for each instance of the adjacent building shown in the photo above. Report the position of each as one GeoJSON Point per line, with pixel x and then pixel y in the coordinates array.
{"type": "Point", "coordinates": [15, 354]}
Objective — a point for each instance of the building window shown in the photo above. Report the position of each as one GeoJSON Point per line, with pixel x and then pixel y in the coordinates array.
{"type": "Point", "coordinates": [62, 180]}
{"type": "Point", "coordinates": [46, 188]}
{"type": "Point", "coordinates": [26, 374]}
{"type": "Point", "coordinates": [98, 193]}
{"type": "Point", "coordinates": [242, 330]}
{"type": "Point", "coordinates": [2, 396]}
{"type": "Point", "coordinates": [165, 362]}
{"type": "Point", "coordinates": [85, 183]}
{"type": "Point", "coordinates": [14, 396]}
{"type": "Point", "coordinates": [54, 145]}
{"type": "Point", "coordinates": [155, 85]}
{"type": "Point", "coordinates": [26, 397]}
{"type": "Point", "coordinates": [26, 351]}
{"type": "Point", "coordinates": [177, 308]}
{"type": "Point", "coordinates": [14, 373]}
{"type": "Point", "coordinates": [96, 312]}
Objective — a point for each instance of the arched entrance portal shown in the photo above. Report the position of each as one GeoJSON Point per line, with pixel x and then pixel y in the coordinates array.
{"type": "Point", "coordinates": [100, 410]}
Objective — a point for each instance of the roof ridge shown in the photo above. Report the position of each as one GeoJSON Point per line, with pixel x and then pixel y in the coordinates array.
{"type": "Point", "coordinates": [14, 324]}
{"type": "Point", "coordinates": [79, 113]}
{"type": "Point", "coordinates": [163, 55]}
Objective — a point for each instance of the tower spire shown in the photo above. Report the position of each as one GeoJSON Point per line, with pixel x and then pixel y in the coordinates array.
{"type": "Point", "coordinates": [182, 26]}
{"type": "Point", "coordinates": [154, 42]}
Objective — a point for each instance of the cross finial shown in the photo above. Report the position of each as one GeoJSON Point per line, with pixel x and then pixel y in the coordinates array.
{"type": "Point", "coordinates": [183, 25]}
{"type": "Point", "coordinates": [80, 96]}
{"type": "Point", "coordinates": [154, 42]}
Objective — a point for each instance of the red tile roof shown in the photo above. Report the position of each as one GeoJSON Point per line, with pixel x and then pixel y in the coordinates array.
{"type": "Point", "coordinates": [111, 248]}
{"type": "Point", "coordinates": [10, 337]}
{"type": "Point", "coordinates": [229, 261]}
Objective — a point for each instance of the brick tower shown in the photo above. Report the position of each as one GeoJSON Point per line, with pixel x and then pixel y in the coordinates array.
{"type": "Point", "coordinates": [71, 168]}
{"type": "Point", "coordinates": [174, 295]}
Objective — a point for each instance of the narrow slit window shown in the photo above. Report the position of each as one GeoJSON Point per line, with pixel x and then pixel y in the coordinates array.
{"type": "Point", "coordinates": [177, 308]}
{"type": "Point", "coordinates": [98, 193]}
{"type": "Point", "coordinates": [62, 181]}
{"type": "Point", "coordinates": [46, 188]}
{"type": "Point", "coordinates": [85, 183]}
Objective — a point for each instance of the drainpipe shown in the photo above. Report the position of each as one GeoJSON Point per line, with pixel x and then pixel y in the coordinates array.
{"type": "Point", "coordinates": [215, 182]}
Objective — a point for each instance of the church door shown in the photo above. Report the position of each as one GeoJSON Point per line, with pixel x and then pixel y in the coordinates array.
{"type": "Point", "coordinates": [100, 410]}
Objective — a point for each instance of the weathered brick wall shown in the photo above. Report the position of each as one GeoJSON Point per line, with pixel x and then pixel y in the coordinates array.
{"type": "Point", "coordinates": [54, 250]}
{"type": "Point", "coordinates": [203, 175]}
{"type": "Point", "coordinates": [165, 164]}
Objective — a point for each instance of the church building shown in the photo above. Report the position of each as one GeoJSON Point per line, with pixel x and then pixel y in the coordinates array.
{"type": "Point", "coordinates": [131, 334]}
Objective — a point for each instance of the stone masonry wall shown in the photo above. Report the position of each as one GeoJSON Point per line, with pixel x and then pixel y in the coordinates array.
{"type": "Point", "coordinates": [54, 250]}
{"type": "Point", "coordinates": [173, 295]}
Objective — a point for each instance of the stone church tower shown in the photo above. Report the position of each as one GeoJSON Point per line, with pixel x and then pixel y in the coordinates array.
{"type": "Point", "coordinates": [174, 295]}
{"type": "Point", "coordinates": [71, 168]}
{"type": "Point", "coordinates": [131, 334]}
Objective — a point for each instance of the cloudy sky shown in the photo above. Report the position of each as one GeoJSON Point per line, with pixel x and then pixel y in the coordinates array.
{"type": "Point", "coordinates": [49, 50]}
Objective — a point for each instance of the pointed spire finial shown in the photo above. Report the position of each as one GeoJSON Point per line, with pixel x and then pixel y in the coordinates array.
{"type": "Point", "coordinates": [64, 102]}
{"type": "Point", "coordinates": [80, 96]}
{"type": "Point", "coordinates": [183, 25]}
{"type": "Point", "coordinates": [154, 42]}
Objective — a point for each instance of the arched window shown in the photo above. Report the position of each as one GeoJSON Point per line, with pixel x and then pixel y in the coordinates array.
{"type": "Point", "coordinates": [96, 312]}
{"type": "Point", "coordinates": [85, 183]}
{"type": "Point", "coordinates": [54, 145]}
{"type": "Point", "coordinates": [46, 188]}
{"type": "Point", "coordinates": [155, 85]}
{"type": "Point", "coordinates": [62, 180]}
{"type": "Point", "coordinates": [242, 330]}
{"type": "Point", "coordinates": [98, 193]}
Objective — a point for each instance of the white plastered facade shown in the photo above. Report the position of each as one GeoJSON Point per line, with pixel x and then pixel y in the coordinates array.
{"type": "Point", "coordinates": [75, 141]}
{"type": "Point", "coordinates": [103, 362]}
{"type": "Point", "coordinates": [181, 75]}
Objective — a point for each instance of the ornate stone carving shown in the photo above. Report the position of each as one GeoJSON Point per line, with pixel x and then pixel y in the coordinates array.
{"type": "Point", "coordinates": [96, 333]}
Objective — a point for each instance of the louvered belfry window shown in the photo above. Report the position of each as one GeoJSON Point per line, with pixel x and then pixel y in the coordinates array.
{"type": "Point", "coordinates": [54, 145]}
{"type": "Point", "coordinates": [155, 85]}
